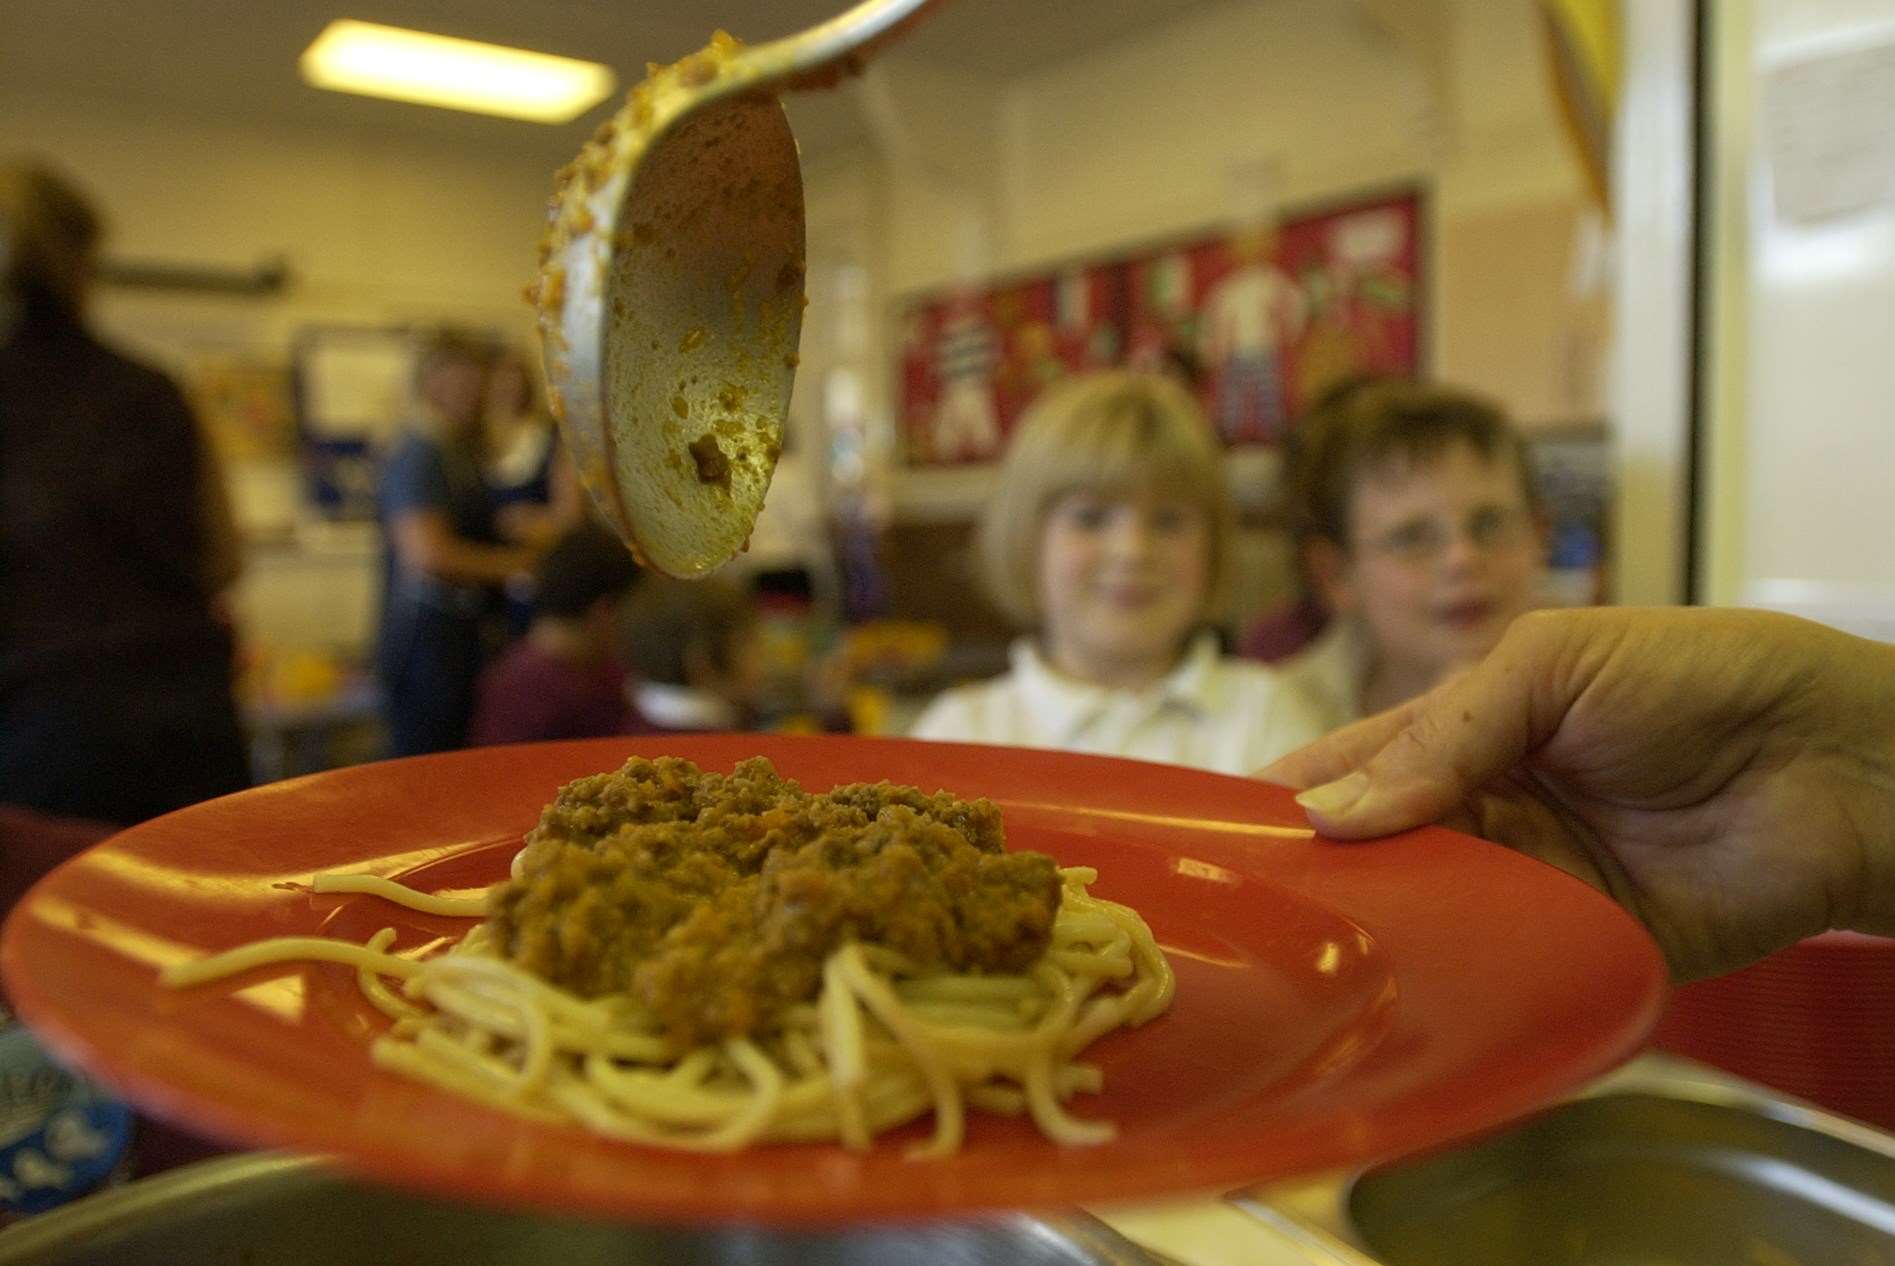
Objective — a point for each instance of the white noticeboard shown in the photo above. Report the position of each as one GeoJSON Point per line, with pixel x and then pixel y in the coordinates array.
{"type": "Point", "coordinates": [355, 383]}
{"type": "Point", "coordinates": [1806, 439]}
{"type": "Point", "coordinates": [354, 390]}
{"type": "Point", "coordinates": [1828, 123]}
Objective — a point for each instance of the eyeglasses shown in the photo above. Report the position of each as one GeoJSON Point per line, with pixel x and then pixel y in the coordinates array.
{"type": "Point", "coordinates": [1425, 540]}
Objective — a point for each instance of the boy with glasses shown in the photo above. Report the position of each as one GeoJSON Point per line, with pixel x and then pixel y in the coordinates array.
{"type": "Point", "coordinates": [1415, 521]}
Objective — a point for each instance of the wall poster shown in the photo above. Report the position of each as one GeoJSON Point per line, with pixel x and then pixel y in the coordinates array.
{"type": "Point", "coordinates": [353, 392]}
{"type": "Point", "coordinates": [1257, 320]}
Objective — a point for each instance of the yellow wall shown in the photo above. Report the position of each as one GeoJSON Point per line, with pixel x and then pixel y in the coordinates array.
{"type": "Point", "coordinates": [954, 173]}
{"type": "Point", "coordinates": [1149, 138]}
{"type": "Point", "coordinates": [375, 230]}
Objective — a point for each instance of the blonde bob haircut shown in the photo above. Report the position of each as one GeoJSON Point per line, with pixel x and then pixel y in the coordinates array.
{"type": "Point", "coordinates": [1109, 433]}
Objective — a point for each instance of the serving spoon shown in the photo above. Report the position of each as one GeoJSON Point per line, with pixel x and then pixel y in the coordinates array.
{"type": "Point", "coordinates": [670, 293]}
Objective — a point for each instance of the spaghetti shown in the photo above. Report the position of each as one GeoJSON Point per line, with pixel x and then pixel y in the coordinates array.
{"type": "Point", "coordinates": [884, 1034]}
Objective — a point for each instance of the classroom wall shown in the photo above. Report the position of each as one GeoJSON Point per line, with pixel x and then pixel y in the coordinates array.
{"type": "Point", "coordinates": [946, 173]}
{"type": "Point", "coordinates": [1163, 134]}
{"type": "Point", "coordinates": [1160, 135]}
{"type": "Point", "coordinates": [376, 229]}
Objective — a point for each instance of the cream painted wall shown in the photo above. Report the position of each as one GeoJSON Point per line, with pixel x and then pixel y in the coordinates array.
{"type": "Point", "coordinates": [964, 174]}
{"type": "Point", "coordinates": [961, 175]}
{"type": "Point", "coordinates": [1148, 138]}
{"type": "Point", "coordinates": [1142, 140]}
{"type": "Point", "coordinates": [375, 230]}
{"type": "Point", "coordinates": [1138, 140]}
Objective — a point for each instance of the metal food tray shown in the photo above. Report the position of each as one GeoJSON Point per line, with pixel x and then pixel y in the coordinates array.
{"type": "Point", "coordinates": [268, 1209]}
{"type": "Point", "coordinates": [1664, 1163]}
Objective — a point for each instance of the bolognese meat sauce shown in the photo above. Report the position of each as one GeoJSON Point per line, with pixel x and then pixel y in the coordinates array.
{"type": "Point", "coordinates": [714, 899]}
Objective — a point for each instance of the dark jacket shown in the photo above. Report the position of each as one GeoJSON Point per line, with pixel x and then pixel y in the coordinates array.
{"type": "Point", "coordinates": [115, 675]}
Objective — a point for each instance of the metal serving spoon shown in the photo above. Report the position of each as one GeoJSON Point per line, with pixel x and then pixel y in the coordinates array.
{"type": "Point", "coordinates": [670, 295]}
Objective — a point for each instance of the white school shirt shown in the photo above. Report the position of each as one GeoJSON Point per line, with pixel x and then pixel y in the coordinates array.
{"type": "Point", "coordinates": [1327, 676]}
{"type": "Point", "coordinates": [672, 707]}
{"type": "Point", "coordinates": [1210, 712]}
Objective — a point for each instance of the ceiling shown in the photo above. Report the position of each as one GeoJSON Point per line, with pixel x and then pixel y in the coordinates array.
{"type": "Point", "coordinates": [238, 57]}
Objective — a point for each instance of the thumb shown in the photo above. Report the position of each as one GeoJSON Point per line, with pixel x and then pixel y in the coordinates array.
{"type": "Point", "coordinates": [1442, 748]}
{"type": "Point", "coordinates": [1340, 751]}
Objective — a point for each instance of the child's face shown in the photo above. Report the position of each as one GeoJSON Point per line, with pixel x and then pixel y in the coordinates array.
{"type": "Point", "coordinates": [1122, 580]}
{"type": "Point", "coordinates": [742, 682]}
{"type": "Point", "coordinates": [1442, 557]}
{"type": "Point", "coordinates": [455, 386]}
{"type": "Point", "coordinates": [506, 389]}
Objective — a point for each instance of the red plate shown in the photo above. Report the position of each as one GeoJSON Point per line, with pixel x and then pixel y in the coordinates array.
{"type": "Point", "coordinates": [1335, 1003]}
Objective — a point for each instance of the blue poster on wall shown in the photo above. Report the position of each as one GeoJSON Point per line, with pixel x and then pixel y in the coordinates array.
{"type": "Point", "coordinates": [354, 389]}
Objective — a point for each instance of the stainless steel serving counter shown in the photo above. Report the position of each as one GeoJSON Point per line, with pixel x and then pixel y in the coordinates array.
{"type": "Point", "coordinates": [1663, 1163]}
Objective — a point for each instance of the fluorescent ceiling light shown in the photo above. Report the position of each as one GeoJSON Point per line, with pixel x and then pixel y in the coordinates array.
{"type": "Point", "coordinates": [438, 70]}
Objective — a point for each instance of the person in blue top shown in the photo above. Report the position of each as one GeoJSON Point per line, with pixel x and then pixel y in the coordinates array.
{"type": "Point", "coordinates": [535, 488]}
{"type": "Point", "coordinates": [446, 558]}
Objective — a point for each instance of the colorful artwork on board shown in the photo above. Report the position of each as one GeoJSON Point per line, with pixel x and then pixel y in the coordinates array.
{"type": "Point", "coordinates": [245, 403]}
{"type": "Point", "coordinates": [352, 394]}
{"type": "Point", "coordinates": [1257, 321]}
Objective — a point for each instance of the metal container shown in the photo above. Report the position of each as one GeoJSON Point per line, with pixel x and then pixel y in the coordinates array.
{"type": "Point", "coordinates": [1659, 1166]}
{"type": "Point", "coordinates": [272, 1210]}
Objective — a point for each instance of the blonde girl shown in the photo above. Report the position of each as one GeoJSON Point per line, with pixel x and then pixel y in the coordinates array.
{"type": "Point", "coordinates": [1107, 538]}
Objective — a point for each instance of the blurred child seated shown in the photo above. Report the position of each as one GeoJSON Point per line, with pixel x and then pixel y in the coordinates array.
{"type": "Point", "coordinates": [563, 678]}
{"type": "Point", "coordinates": [1416, 522]}
{"type": "Point", "coordinates": [1108, 534]}
{"type": "Point", "coordinates": [694, 653]}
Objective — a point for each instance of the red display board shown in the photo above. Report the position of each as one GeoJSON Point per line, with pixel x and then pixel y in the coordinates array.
{"type": "Point", "coordinates": [1258, 320]}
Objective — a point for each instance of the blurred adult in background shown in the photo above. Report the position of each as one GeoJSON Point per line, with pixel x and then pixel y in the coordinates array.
{"type": "Point", "coordinates": [693, 650]}
{"type": "Point", "coordinates": [564, 679]}
{"type": "Point", "coordinates": [534, 485]}
{"type": "Point", "coordinates": [446, 558]}
{"type": "Point", "coordinates": [1415, 520]}
{"type": "Point", "coordinates": [522, 450]}
{"type": "Point", "coordinates": [1108, 535]}
{"type": "Point", "coordinates": [116, 546]}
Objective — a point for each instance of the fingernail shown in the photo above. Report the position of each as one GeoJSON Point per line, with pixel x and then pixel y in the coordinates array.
{"type": "Point", "coordinates": [1336, 797]}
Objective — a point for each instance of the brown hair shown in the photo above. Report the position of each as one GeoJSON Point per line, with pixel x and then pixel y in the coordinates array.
{"type": "Point", "coordinates": [528, 400]}
{"type": "Point", "coordinates": [584, 566]}
{"type": "Point", "coordinates": [448, 343]}
{"type": "Point", "coordinates": [665, 620]}
{"type": "Point", "coordinates": [1366, 424]}
{"type": "Point", "coordinates": [48, 233]}
{"type": "Point", "coordinates": [1111, 431]}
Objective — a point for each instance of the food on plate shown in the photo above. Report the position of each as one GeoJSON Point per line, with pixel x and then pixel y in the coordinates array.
{"type": "Point", "coordinates": [699, 960]}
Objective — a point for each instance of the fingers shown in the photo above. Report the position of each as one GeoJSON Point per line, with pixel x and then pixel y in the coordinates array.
{"type": "Point", "coordinates": [1336, 754]}
{"type": "Point", "coordinates": [1416, 764]}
